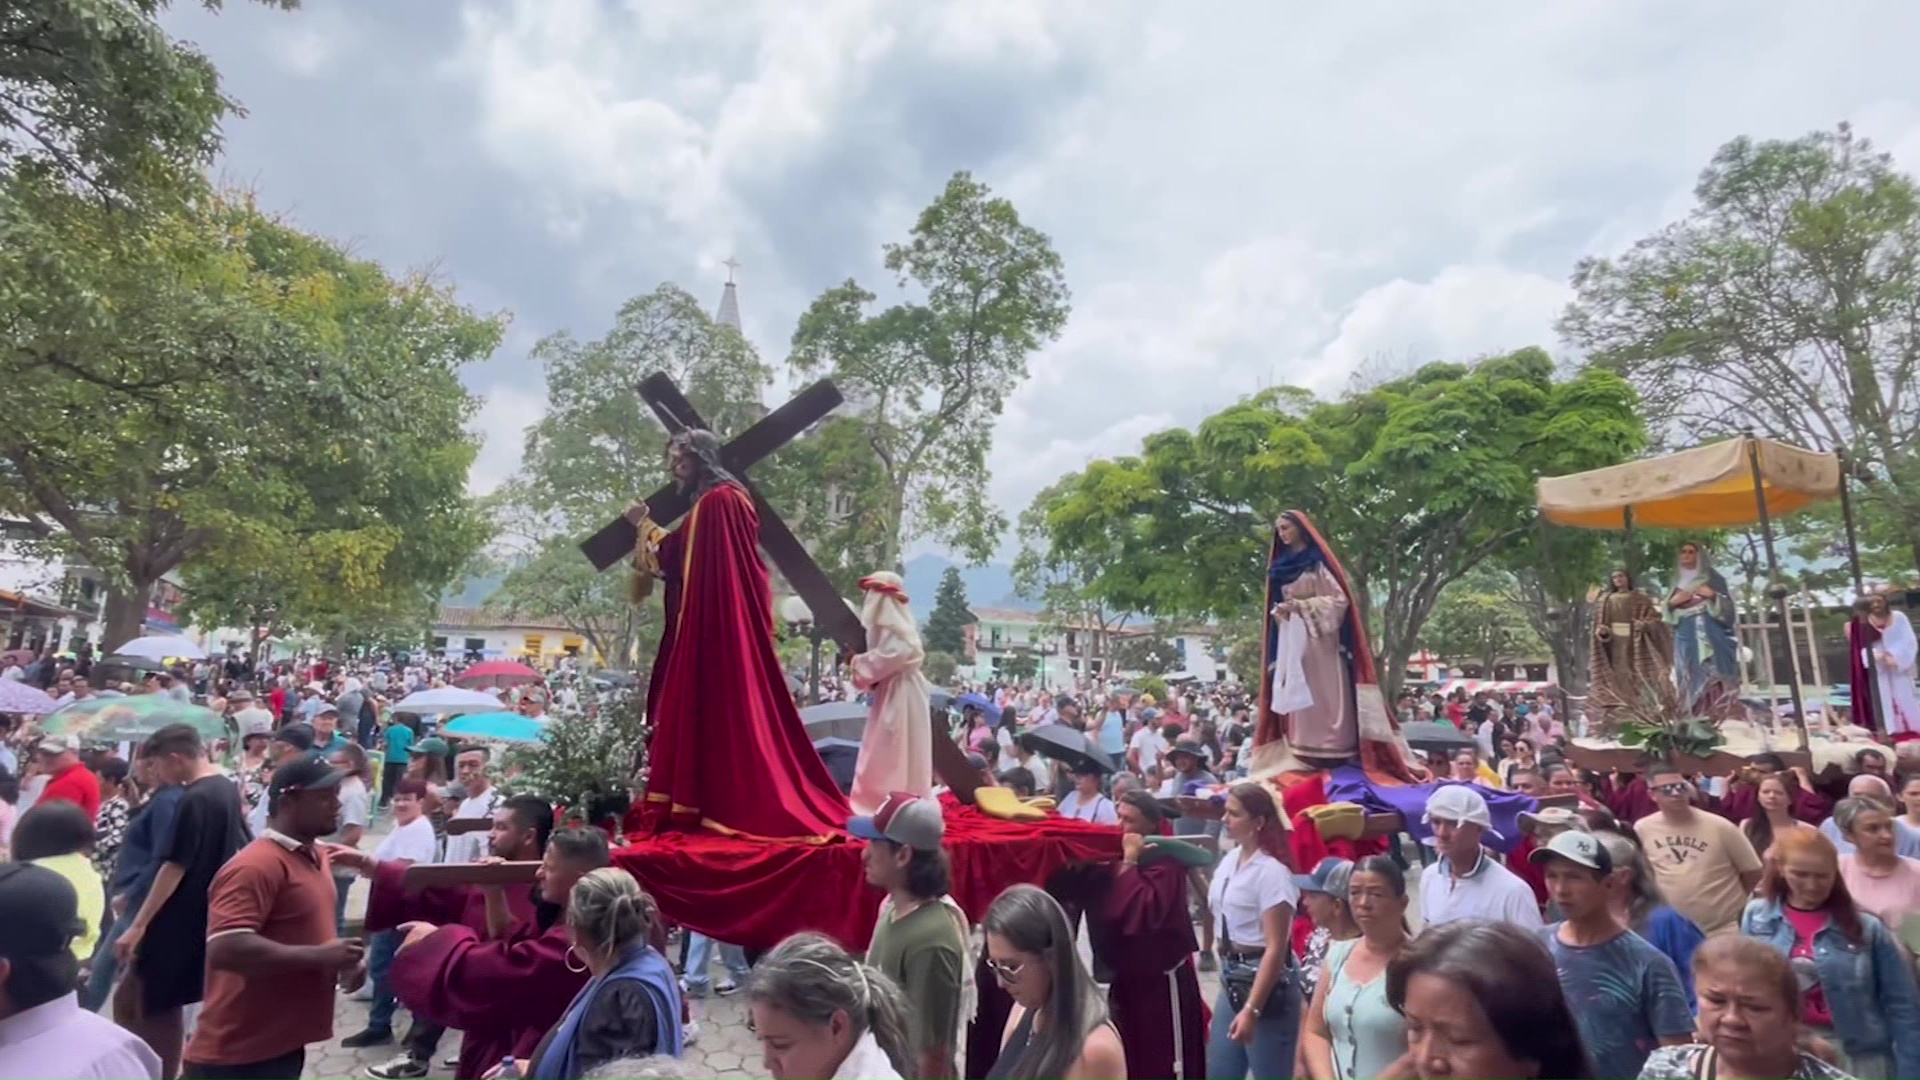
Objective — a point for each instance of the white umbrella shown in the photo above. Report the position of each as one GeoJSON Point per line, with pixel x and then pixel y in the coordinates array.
{"type": "Point", "coordinates": [447, 701]}
{"type": "Point", "coordinates": [159, 647]}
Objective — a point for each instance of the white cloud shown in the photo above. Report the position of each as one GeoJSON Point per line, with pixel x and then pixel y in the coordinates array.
{"type": "Point", "coordinates": [502, 425]}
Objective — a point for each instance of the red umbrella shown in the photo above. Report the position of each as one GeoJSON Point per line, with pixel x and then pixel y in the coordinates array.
{"type": "Point", "coordinates": [497, 673]}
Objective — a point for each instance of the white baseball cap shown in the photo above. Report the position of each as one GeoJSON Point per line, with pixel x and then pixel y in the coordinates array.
{"type": "Point", "coordinates": [1459, 803]}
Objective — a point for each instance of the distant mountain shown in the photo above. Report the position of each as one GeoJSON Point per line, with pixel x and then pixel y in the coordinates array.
{"type": "Point", "coordinates": [987, 586]}
{"type": "Point", "coordinates": [473, 592]}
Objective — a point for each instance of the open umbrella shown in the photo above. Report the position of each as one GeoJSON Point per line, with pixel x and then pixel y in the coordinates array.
{"type": "Point", "coordinates": [842, 757]}
{"type": "Point", "coordinates": [1063, 742]}
{"type": "Point", "coordinates": [497, 673]}
{"type": "Point", "coordinates": [447, 701]}
{"type": "Point", "coordinates": [1434, 735]}
{"type": "Point", "coordinates": [845, 720]}
{"type": "Point", "coordinates": [1123, 691]}
{"type": "Point", "coordinates": [16, 658]}
{"type": "Point", "coordinates": [163, 647]}
{"type": "Point", "coordinates": [941, 699]}
{"type": "Point", "coordinates": [18, 697]}
{"type": "Point", "coordinates": [131, 718]}
{"type": "Point", "coordinates": [979, 701]}
{"type": "Point", "coordinates": [496, 727]}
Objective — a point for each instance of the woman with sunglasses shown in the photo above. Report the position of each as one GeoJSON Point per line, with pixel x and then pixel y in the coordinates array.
{"type": "Point", "coordinates": [1059, 1024]}
{"type": "Point", "coordinates": [1256, 1019]}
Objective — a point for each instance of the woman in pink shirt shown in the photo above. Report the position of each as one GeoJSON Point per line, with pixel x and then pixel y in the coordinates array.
{"type": "Point", "coordinates": [1882, 883]}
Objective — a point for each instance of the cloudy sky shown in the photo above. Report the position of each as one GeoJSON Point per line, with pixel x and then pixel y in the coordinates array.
{"type": "Point", "coordinates": [1244, 192]}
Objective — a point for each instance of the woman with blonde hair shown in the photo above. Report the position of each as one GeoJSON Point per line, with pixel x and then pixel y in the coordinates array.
{"type": "Point", "coordinates": [821, 1014]}
{"type": "Point", "coordinates": [1858, 983]}
{"type": "Point", "coordinates": [630, 1006]}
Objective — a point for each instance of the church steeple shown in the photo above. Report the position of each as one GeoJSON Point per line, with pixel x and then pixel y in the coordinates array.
{"type": "Point", "coordinates": [729, 313]}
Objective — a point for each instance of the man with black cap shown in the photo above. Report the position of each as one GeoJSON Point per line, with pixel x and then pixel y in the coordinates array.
{"type": "Point", "coordinates": [272, 957]}
{"type": "Point", "coordinates": [43, 1029]}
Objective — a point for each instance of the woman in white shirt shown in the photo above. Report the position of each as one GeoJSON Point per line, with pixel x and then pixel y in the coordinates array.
{"type": "Point", "coordinates": [1086, 803]}
{"type": "Point", "coordinates": [1256, 1021]}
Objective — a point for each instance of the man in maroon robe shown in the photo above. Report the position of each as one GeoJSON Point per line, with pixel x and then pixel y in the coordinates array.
{"type": "Point", "coordinates": [519, 834]}
{"type": "Point", "coordinates": [504, 992]}
{"type": "Point", "coordinates": [728, 751]}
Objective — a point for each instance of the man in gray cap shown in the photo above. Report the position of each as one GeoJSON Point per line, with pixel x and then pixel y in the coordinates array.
{"type": "Point", "coordinates": [43, 1029]}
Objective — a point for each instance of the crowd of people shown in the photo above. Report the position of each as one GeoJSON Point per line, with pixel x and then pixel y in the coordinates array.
{"type": "Point", "coordinates": [177, 909]}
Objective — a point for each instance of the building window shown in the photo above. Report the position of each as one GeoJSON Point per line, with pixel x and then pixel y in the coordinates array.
{"type": "Point", "coordinates": [476, 645]}
{"type": "Point", "coordinates": [439, 644]}
{"type": "Point", "coordinates": [993, 638]}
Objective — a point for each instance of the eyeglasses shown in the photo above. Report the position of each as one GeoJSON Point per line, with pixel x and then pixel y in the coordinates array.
{"type": "Point", "coordinates": [1005, 972]}
{"type": "Point", "coordinates": [1677, 788]}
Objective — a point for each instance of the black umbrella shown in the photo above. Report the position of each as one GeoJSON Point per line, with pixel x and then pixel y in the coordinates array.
{"type": "Point", "coordinates": [1434, 735]}
{"type": "Point", "coordinates": [1062, 742]}
{"type": "Point", "coordinates": [835, 720]}
{"type": "Point", "coordinates": [841, 757]}
{"type": "Point", "coordinates": [941, 699]}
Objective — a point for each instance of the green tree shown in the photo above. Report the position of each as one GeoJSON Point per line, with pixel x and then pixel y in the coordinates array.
{"type": "Point", "coordinates": [597, 447]}
{"type": "Point", "coordinates": [948, 621]}
{"type": "Point", "coordinates": [1146, 653]}
{"type": "Point", "coordinates": [95, 96]}
{"type": "Point", "coordinates": [1064, 582]}
{"type": "Point", "coordinates": [1784, 304]}
{"type": "Point", "coordinates": [216, 390]}
{"type": "Point", "coordinates": [929, 379]}
{"type": "Point", "coordinates": [1481, 619]}
{"type": "Point", "coordinates": [1020, 666]}
{"type": "Point", "coordinates": [1414, 482]}
{"type": "Point", "coordinates": [940, 668]}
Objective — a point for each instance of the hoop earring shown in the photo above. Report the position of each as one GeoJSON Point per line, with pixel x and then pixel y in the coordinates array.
{"type": "Point", "coordinates": [568, 959]}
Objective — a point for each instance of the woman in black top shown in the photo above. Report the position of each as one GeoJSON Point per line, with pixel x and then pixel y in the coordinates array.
{"type": "Point", "coordinates": [1059, 1024]}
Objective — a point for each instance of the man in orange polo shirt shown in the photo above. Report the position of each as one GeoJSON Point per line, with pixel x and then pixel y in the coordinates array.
{"type": "Point", "coordinates": [68, 780]}
{"type": "Point", "coordinates": [272, 957]}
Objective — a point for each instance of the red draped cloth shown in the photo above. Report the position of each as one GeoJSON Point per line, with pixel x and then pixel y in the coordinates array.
{"type": "Point", "coordinates": [1140, 929]}
{"type": "Point", "coordinates": [755, 894]}
{"type": "Point", "coordinates": [503, 994]}
{"type": "Point", "coordinates": [729, 752]}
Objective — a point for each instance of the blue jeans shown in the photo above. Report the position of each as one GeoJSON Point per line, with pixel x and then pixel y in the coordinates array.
{"type": "Point", "coordinates": [380, 950]}
{"type": "Point", "coordinates": [700, 958]}
{"type": "Point", "coordinates": [1275, 1034]}
{"type": "Point", "coordinates": [105, 968]}
{"type": "Point", "coordinates": [341, 887]}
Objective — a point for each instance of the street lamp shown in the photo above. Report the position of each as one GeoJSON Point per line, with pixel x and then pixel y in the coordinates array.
{"type": "Point", "coordinates": [799, 617]}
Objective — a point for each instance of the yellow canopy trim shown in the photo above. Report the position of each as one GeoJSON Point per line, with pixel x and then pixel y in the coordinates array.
{"type": "Point", "coordinates": [1707, 487]}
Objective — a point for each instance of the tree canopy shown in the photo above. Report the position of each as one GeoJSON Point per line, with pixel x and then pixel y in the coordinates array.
{"type": "Point", "coordinates": [1784, 304]}
{"type": "Point", "coordinates": [947, 623]}
{"type": "Point", "coordinates": [927, 379]}
{"type": "Point", "coordinates": [211, 384]}
{"type": "Point", "coordinates": [1414, 482]}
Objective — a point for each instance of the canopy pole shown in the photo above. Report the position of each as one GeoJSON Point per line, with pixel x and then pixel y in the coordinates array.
{"type": "Point", "coordinates": [1626, 545]}
{"type": "Point", "coordinates": [1846, 514]}
{"type": "Point", "coordinates": [1774, 590]}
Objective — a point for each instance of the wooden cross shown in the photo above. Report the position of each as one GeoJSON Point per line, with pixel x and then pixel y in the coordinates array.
{"type": "Point", "coordinates": [615, 540]}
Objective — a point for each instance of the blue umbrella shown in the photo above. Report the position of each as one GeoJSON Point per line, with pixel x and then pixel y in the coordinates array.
{"type": "Point", "coordinates": [497, 727]}
{"type": "Point", "coordinates": [979, 701]}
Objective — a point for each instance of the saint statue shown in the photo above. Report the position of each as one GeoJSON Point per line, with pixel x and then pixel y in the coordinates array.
{"type": "Point", "coordinates": [1632, 652]}
{"type": "Point", "coordinates": [896, 749]}
{"type": "Point", "coordinates": [1319, 695]}
{"type": "Point", "coordinates": [1706, 655]}
{"type": "Point", "coordinates": [1883, 660]}
{"type": "Point", "coordinates": [728, 750]}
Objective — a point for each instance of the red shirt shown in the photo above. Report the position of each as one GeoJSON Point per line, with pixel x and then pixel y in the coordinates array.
{"type": "Point", "coordinates": [76, 785]}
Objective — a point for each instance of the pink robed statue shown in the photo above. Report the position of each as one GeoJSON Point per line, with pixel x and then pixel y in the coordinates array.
{"type": "Point", "coordinates": [896, 751]}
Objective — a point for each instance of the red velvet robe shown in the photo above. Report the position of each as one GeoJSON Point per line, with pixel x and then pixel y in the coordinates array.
{"type": "Point", "coordinates": [1140, 929]}
{"type": "Point", "coordinates": [729, 752]}
{"type": "Point", "coordinates": [503, 994]}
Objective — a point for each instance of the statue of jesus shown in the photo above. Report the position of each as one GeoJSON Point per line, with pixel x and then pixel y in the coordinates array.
{"type": "Point", "coordinates": [728, 750]}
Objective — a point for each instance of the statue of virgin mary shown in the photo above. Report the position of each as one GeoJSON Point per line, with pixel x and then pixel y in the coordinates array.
{"type": "Point", "coordinates": [1320, 699]}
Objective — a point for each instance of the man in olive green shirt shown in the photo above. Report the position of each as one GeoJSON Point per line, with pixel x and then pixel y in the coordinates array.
{"type": "Point", "coordinates": [920, 941]}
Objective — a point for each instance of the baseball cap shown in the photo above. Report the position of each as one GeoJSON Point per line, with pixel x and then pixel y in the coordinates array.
{"type": "Point", "coordinates": [237, 697]}
{"type": "Point", "coordinates": [325, 708]}
{"type": "Point", "coordinates": [432, 744]}
{"type": "Point", "coordinates": [1460, 803]}
{"type": "Point", "coordinates": [1580, 847]}
{"type": "Point", "coordinates": [1330, 877]}
{"type": "Point", "coordinates": [309, 771]}
{"type": "Point", "coordinates": [1553, 817]}
{"type": "Point", "coordinates": [59, 744]}
{"type": "Point", "coordinates": [39, 912]}
{"type": "Point", "coordinates": [904, 818]}
{"type": "Point", "coordinates": [297, 735]}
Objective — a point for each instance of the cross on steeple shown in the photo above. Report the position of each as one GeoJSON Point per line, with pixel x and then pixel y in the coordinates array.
{"type": "Point", "coordinates": [731, 266]}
